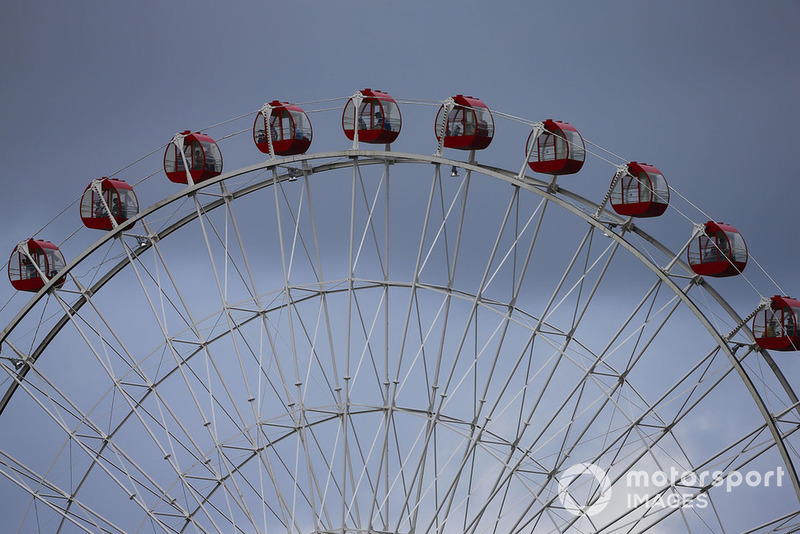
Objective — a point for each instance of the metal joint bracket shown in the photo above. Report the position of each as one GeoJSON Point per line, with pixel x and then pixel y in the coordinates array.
{"type": "Point", "coordinates": [552, 187]}
{"type": "Point", "coordinates": [629, 225]}
{"type": "Point", "coordinates": [177, 140]}
{"type": "Point", "coordinates": [294, 173]}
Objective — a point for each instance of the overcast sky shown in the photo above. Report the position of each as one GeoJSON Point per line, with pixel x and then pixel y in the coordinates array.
{"type": "Point", "coordinates": [706, 91]}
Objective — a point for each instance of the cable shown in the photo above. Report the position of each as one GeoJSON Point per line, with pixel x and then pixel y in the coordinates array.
{"type": "Point", "coordinates": [600, 153]}
{"type": "Point", "coordinates": [607, 152]}
{"type": "Point", "coordinates": [248, 114]}
{"type": "Point", "coordinates": [161, 148]}
{"type": "Point", "coordinates": [233, 134]}
{"type": "Point", "coordinates": [324, 100]}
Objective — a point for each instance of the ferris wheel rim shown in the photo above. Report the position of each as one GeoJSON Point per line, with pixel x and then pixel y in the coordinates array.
{"type": "Point", "coordinates": [606, 224]}
{"type": "Point", "coordinates": [346, 158]}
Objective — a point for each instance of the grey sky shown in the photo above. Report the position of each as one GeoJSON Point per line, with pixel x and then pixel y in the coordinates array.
{"type": "Point", "coordinates": [706, 91]}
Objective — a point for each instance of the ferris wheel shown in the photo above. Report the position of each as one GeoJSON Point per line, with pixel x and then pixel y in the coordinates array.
{"type": "Point", "coordinates": [365, 340]}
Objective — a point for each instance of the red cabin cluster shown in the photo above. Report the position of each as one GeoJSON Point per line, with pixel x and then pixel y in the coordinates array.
{"type": "Point", "coordinates": [466, 124]}
{"type": "Point", "coordinates": [192, 155]}
{"type": "Point", "coordinates": [108, 200]}
{"type": "Point", "coordinates": [374, 115]}
{"type": "Point", "coordinates": [33, 264]}
{"type": "Point", "coordinates": [285, 126]}
{"type": "Point", "coordinates": [719, 251]}
{"type": "Point", "coordinates": [641, 191]}
{"type": "Point", "coordinates": [775, 327]}
{"type": "Point", "coordinates": [558, 149]}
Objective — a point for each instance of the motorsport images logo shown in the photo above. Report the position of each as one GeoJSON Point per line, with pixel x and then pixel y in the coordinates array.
{"type": "Point", "coordinates": [569, 502]}
{"type": "Point", "coordinates": [658, 480]}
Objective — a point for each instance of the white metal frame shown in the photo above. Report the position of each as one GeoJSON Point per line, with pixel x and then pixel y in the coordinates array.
{"type": "Point", "coordinates": [202, 479]}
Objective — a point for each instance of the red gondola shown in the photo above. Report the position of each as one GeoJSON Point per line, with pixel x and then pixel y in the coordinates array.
{"type": "Point", "coordinates": [197, 151]}
{"type": "Point", "coordinates": [558, 150]}
{"type": "Point", "coordinates": [640, 192]}
{"type": "Point", "coordinates": [31, 269]}
{"type": "Point", "coordinates": [719, 251]}
{"type": "Point", "coordinates": [288, 127]}
{"type": "Point", "coordinates": [104, 195]}
{"type": "Point", "coordinates": [378, 119]}
{"type": "Point", "coordinates": [775, 327]}
{"type": "Point", "coordinates": [469, 125]}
